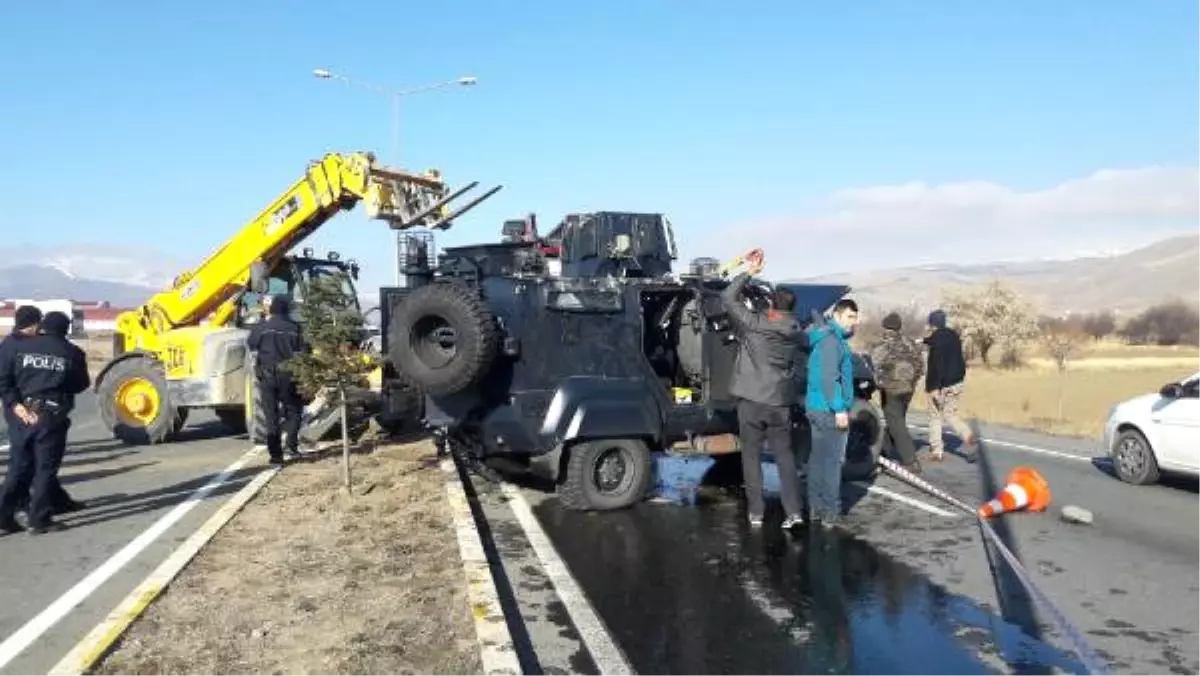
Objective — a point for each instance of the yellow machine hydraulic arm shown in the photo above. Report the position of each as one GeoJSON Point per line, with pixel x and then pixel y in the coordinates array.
{"type": "Point", "coordinates": [332, 184]}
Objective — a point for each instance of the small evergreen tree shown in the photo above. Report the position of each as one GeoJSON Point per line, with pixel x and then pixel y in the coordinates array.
{"type": "Point", "coordinates": [333, 328]}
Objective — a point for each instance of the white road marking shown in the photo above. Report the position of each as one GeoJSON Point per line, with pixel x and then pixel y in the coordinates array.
{"type": "Point", "coordinates": [595, 634]}
{"type": "Point", "coordinates": [911, 502]}
{"type": "Point", "coordinates": [89, 650]}
{"type": "Point", "coordinates": [1024, 447]}
{"type": "Point", "coordinates": [497, 654]}
{"type": "Point", "coordinates": [15, 644]}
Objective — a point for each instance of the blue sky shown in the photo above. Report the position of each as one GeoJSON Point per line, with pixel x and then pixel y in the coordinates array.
{"type": "Point", "coordinates": [161, 127]}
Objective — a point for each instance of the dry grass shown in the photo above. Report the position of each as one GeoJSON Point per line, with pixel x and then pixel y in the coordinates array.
{"type": "Point", "coordinates": [1028, 397]}
{"type": "Point", "coordinates": [310, 580]}
{"type": "Point", "coordinates": [99, 349]}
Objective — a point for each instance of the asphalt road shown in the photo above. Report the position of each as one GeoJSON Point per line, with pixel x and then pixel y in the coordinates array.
{"type": "Point", "coordinates": [910, 587]}
{"type": "Point", "coordinates": [667, 589]}
{"type": "Point", "coordinates": [128, 489]}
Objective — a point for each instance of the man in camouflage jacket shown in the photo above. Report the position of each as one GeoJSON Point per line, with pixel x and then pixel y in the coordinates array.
{"type": "Point", "coordinates": [899, 364]}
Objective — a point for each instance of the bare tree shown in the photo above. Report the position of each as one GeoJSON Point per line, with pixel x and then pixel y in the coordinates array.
{"type": "Point", "coordinates": [1063, 342]}
{"type": "Point", "coordinates": [990, 316]}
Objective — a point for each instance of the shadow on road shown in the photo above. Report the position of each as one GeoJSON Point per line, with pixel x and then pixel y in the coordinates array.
{"type": "Point", "coordinates": [123, 505]}
{"type": "Point", "coordinates": [1016, 605]}
{"type": "Point", "coordinates": [1181, 482]}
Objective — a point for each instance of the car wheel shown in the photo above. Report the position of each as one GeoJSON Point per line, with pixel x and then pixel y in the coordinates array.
{"type": "Point", "coordinates": [1133, 458]}
{"type": "Point", "coordinates": [606, 474]}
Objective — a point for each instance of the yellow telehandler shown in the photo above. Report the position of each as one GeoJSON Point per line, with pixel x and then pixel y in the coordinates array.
{"type": "Point", "coordinates": [185, 347]}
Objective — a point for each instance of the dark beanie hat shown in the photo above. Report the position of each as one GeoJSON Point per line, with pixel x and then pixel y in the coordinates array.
{"type": "Point", "coordinates": [56, 324]}
{"type": "Point", "coordinates": [937, 319]}
{"type": "Point", "coordinates": [280, 305]}
{"type": "Point", "coordinates": [892, 322]}
{"type": "Point", "coordinates": [26, 316]}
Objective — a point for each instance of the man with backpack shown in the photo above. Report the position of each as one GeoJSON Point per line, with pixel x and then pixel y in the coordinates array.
{"type": "Point", "coordinates": [899, 364]}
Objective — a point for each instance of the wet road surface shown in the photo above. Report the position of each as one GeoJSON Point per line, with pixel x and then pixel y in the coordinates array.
{"type": "Point", "coordinates": [907, 587]}
{"type": "Point", "coordinates": [127, 490]}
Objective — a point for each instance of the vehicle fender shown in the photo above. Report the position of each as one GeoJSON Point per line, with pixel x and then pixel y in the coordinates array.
{"type": "Point", "coordinates": [586, 407]}
{"type": "Point", "coordinates": [124, 356]}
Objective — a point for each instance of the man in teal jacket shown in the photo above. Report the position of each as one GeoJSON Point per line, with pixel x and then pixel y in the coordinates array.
{"type": "Point", "coordinates": [827, 401]}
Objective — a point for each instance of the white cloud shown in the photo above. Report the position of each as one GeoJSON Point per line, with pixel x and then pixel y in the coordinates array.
{"type": "Point", "coordinates": [969, 222]}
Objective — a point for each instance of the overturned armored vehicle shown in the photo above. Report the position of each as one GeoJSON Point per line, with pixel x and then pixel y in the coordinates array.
{"type": "Point", "coordinates": [577, 355]}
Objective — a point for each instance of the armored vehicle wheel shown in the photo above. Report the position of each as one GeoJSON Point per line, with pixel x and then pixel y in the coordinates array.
{"type": "Point", "coordinates": [136, 404]}
{"type": "Point", "coordinates": [606, 474]}
{"type": "Point", "coordinates": [443, 338]}
{"type": "Point", "coordinates": [865, 442]}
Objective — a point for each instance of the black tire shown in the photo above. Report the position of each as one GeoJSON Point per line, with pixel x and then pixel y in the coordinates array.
{"type": "Point", "coordinates": [403, 408]}
{"type": "Point", "coordinates": [443, 338]}
{"type": "Point", "coordinates": [180, 420]}
{"type": "Point", "coordinates": [1133, 458]}
{"type": "Point", "coordinates": [233, 418]}
{"type": "Point", "coordinates": [585, 490]}
{"type": "Point", "coordinates": [865, 441]}
{"type": "Point", "coordinates": [164, 420]}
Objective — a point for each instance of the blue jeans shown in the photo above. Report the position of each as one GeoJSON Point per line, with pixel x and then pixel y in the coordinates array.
{"type": "Point", "coordinates": [825, 462]}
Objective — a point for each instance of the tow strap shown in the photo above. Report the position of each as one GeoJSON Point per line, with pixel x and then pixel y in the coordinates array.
{"type": "Point", "coordinates": [1087, 655]}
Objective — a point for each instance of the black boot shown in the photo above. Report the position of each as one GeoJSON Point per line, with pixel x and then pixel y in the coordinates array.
{"type": "Point", "coordinates": [50, 526]}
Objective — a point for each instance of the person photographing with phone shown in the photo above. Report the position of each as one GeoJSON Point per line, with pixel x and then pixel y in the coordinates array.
{"type": "Point", "coordinates": [827, 401]}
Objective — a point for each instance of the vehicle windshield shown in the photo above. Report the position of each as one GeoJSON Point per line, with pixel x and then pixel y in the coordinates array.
{"type": "Point", "coordinates": [313, 273]}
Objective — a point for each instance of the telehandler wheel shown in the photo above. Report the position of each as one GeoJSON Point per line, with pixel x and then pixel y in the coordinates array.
{"type": "Point", "coordinates": [443, 338]}
{"type": "Point", "coordinates": [180, 421]}
{"type": "Point", "coordinates": [136, 404]}
{"type": "Point", "coordinates": [606, 474]}
{"type": "Point", "coordinates": [864, 442]}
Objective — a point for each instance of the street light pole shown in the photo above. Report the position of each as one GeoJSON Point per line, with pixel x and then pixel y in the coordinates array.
{"type": "Point", "coordinates": [395, 95]}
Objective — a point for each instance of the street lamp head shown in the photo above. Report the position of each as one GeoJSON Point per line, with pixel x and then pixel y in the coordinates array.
{"type": "Point", "coordinates": [466, 81]}
{"type": "Point", "coordinates": [322, 73]}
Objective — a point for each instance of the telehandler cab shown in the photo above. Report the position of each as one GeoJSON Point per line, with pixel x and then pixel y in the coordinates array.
{"type": "Point", "coordinates": [185, 347]}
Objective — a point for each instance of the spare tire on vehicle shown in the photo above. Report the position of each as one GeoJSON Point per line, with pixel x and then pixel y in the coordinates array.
{"type": "Point", "coordinates": [443, 338]}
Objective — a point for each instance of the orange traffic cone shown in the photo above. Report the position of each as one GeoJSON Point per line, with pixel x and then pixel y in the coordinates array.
{"type": "Point", "coordinates": [1026, 489]}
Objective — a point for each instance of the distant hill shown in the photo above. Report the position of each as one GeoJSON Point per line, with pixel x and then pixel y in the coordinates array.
{"type": "Point", "coordinates": [39, 282]}
{"type": "Point", "coordinates": [1125, 283]}
{"type": "Point", "coordinates": [124, 280]}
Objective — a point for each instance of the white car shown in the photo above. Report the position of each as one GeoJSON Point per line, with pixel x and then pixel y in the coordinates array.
{"type": "Point", "coordinates": [1156, 432]}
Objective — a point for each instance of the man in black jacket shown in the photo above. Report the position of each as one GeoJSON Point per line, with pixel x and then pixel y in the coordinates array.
{"type": "Point", "coordinates": [764, 384]}
{"type": "Point", "coordinates": [274, 341]}
{"type": "Point", "coordinates": [944, 378]}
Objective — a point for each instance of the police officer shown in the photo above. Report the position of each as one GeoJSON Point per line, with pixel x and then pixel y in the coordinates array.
{"type": "Point", "coordinates": [26, 323]}
{"type": "Point", "coordinates": [274, 342]}
{"type": "Point", "coordinates": [39, 378]}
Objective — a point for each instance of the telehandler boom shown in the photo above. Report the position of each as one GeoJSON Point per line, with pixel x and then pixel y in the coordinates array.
{"type": "Point", "coordinates": [184, 348]}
